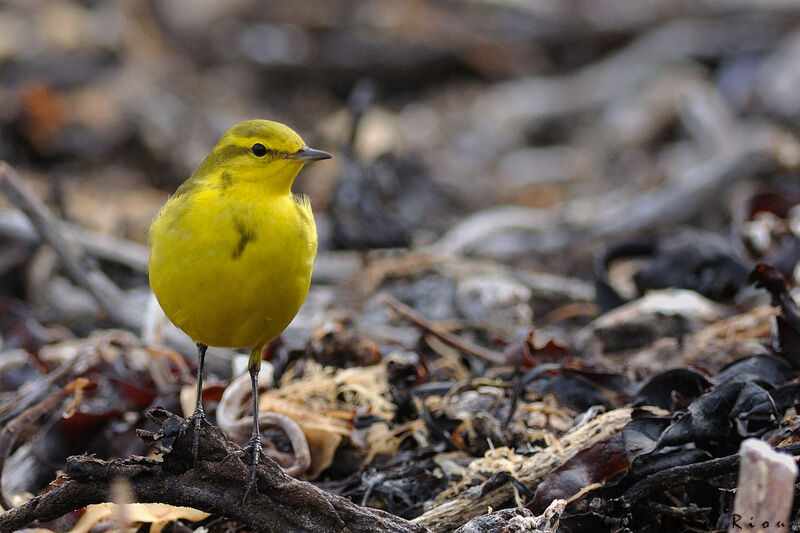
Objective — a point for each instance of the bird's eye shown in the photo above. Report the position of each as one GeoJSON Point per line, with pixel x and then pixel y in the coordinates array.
{"type": "Point", "coordinates": [258, 150]}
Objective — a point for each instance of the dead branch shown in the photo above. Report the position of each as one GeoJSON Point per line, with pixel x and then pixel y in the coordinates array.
{"type": "Point", "coordinates": [102, 289]}
{"type": "Point", "coordinates": [213, 485]}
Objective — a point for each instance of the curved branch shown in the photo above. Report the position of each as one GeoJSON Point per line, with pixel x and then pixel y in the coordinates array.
{"type": "Point", "coordinates": [215, 485]}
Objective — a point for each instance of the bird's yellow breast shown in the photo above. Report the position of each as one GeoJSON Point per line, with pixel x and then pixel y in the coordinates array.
{"type": "Point", "coordinates": [231, 265]}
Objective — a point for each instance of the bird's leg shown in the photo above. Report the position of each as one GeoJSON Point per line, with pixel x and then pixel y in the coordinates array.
{"type": "Point", "coordinates": [199, 416]}
{"type": "Point", "coordinates": [254, 445]}
{"type": "Point", "coordinates": [255, 439]}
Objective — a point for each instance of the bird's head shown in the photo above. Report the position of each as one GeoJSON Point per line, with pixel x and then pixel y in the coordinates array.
{"type": "Point", "coordinates": [261, 151]}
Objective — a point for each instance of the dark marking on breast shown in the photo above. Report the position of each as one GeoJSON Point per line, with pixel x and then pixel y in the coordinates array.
{"type": "Point", "coordinates": [246, 236]}
{"type": "Point", "coordinates": [226, 180]}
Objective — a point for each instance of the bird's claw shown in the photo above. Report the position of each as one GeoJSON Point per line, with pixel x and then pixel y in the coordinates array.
{"type": "Point", "coordinates": [254, 448]}
{"type": "Point", "coordinates": [197, 419]}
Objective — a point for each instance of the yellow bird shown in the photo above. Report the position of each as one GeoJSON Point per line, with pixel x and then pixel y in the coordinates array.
{"type": "Point", "coordinates": [232, 250]}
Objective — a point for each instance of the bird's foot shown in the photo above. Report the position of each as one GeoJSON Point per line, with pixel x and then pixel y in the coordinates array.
{"type": "Point", "coordinates": [197, 419]}
{"type": "Point", "coordinates": [254, 449]}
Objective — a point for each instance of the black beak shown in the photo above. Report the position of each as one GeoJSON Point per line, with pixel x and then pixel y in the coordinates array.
{"type": "Point", "coordinates": [308, 154]}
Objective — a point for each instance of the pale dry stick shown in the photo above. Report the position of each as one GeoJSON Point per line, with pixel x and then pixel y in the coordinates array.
{"type": "Point", "coordinates": [489, 356]}
{"type": "Point", "coordinates": [776, 81]}
{"type": "Point", "coordinates": [707, 118]}
{"type": "Point", "coordinates": [552, 286]}
{"type": "Point", "coordinates": [122, 497]}
{"type": "Point", "coordinates": [480, 227]}
{"type": "Point", "coordinates": [765, 490]}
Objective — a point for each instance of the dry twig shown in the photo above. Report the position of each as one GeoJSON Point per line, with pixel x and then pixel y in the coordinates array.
{"type": "Point", "coordinates": [11, 431]}
{"type": "Point", "coordinates": [490, 356]}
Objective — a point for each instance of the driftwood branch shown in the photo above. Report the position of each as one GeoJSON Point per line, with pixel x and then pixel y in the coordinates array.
{"type": "Point", "coordinates": [214, 485]}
